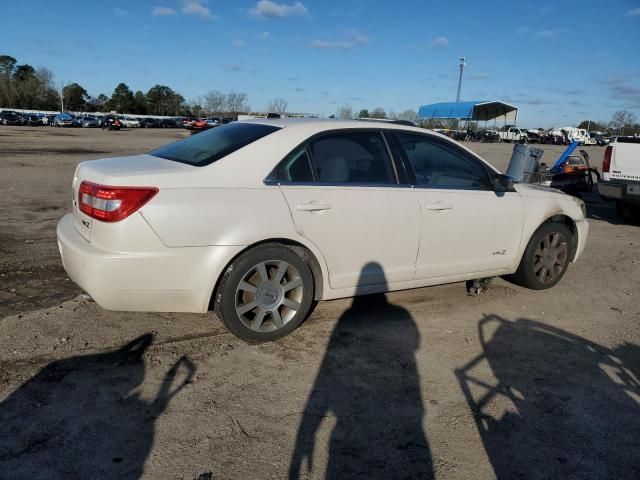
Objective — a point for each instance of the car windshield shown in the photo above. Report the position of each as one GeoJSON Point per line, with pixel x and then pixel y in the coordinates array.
{"type": "Point", "coordinates": [211, 145]}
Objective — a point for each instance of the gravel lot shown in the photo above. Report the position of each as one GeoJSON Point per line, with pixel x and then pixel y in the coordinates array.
{"type": "Point", "coordinates": [510, 384]}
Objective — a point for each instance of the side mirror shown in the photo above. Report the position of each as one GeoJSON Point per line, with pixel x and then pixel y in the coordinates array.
{"type": "Point", "coordinates": [503, 183]}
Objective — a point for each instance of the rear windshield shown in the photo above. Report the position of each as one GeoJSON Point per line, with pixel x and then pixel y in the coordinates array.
{"type": "Point", "coordinates": [211, 145]}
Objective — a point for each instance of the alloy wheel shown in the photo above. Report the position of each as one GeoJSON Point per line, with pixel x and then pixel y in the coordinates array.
{"type": "Point", "coordinates": [550, 258]}
{"type": "Point", "coordinates": [269, 295]}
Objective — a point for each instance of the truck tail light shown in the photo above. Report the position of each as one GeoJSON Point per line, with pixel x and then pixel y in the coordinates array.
{"type": "Point", "coordinates": [606, 163]}
{"type": "Point", "coordinates": [112, 204]}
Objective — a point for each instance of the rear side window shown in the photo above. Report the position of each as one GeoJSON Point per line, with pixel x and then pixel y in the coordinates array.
{"type": "Point", "coordinates": [437, 165]}
{"type": "Point", "coordinates": [354, 157]}
{"type": "Point", "coordinates": [211, 145]}
{"type": "Point", "coordinates": [296, 167]}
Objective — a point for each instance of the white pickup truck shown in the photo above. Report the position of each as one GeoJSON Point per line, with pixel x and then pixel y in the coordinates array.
{"type": "Point", "coordinates": [513, 134]}
{"type": "Point", "coordinates": [621, 174]}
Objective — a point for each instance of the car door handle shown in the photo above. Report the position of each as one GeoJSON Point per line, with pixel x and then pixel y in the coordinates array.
{"type": "Point", "coordinates": [438, 206]}
{"type": "Point", "coordinates": [313, 206]}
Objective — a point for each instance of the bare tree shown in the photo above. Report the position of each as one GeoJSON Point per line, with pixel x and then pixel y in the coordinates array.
{"type": "Point", "coordinates": [214, 102]}
{"type": "Point", "coordinates": [378, 112]}
{"type": "Point", "coordinates": [45, 77]}
{"type": "Point", "coordinates": [622, 119]}
{"type": "Point", "coordinates": [277, 105]}
{"type": "Point", "coordinates": [237, 102]}
{"type": "Point", "coordinates": [345, 112]}
{"type": "Point", "coordinates": [409, 115]}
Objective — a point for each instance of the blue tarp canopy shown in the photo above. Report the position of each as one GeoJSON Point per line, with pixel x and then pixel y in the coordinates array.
{"type": "Point", "coordinates": [478, 110]}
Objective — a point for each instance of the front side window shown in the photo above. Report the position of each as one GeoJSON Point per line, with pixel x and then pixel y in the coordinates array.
{"type": "Point", "coordinates": [351, 157]}
{"type": "Point", "coordinates": [211, 145]}
{"type": "Point", "coordinates": [438, 165]}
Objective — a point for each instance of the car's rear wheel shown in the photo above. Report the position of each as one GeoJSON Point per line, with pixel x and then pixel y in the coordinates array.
{"type": "Point", "coordinates": [546, 258]}
{"type": "Point", "coordinates": [265, 294]}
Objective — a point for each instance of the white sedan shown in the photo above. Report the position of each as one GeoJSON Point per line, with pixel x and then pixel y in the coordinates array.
{"type": "Point", "coordinates": [130, 122]}
{"type": "Point", "coordinates": [260, 219]}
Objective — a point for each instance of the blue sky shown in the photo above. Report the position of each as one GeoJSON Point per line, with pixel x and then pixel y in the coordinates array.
{"type": "Point", "coordinates": [559, 62]}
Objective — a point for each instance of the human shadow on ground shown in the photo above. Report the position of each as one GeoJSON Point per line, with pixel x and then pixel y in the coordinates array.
{"type": "Point", "coordinates": [574, 405]}
{"type": "Point", "coordinates": [83, 417]}
{"type": "Point", "coordinates": [368, 387]}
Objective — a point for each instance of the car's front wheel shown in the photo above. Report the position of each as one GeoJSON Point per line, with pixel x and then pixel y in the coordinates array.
{"type": "Point", "coordinates": [546, 258]}
{"type": "Point", "coordinates": [265, 294]}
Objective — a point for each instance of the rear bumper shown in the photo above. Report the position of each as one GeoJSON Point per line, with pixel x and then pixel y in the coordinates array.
{"type": "Point", "coordinates": [168, 280]}
{"type": "Point", "coordinates": [620, 191]}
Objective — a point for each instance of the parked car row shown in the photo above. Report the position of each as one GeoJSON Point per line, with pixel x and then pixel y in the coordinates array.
{"type": "Point", "coordinates": [65, 119]}
{"type": "Point", "coordinates": [8, 117]}
{"type": "Point", "coordinates": [552, 136]}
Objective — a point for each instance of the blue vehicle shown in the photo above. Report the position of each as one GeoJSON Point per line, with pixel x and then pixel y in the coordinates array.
{"type": "Point", "coordinates": [64, 120]}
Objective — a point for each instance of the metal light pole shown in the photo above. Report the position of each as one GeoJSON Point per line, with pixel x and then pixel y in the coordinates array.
{"type": "Point", "coordinates": [462, 65]}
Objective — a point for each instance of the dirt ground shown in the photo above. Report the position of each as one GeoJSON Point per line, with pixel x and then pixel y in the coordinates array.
{"type": "Point", "coordinates": [429, 382]}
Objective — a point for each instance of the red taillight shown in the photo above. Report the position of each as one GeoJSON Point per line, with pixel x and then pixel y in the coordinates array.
{"type": "Point", "coordinates": [112, 204]}
{"type": "Point", "coordinates": [606, 163]}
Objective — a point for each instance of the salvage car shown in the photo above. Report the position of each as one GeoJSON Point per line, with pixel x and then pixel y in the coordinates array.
{"type": "Point", "coordinates": [260, 219]}
{"type": "Point", "coordinates": [10, 118]}
{"type": "Point", "coordinates": [89, 122]}
{"type": "Point", "coordinates": [130, 122]}
{"type": "Point", "coordinates": [513, 134]}
{"type": "Point", "coordinates": [621, 175]}
{"type": "Point", "coordinates": [64, 120]}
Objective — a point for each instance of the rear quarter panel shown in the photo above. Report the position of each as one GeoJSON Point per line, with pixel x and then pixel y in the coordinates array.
{"type": "Point", "coordinates": [195, 217]}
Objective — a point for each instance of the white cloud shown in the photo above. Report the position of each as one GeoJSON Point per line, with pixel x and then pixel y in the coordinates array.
{"type": "Point", "coordinates": [624, 88]}
{"type": "Point", "coordinates": [238, 43]}
{"type": "Point", "coordinates": [546, 9]}
{"type": "Point", "coordinates": [550, 33]}
{"type": "Point", "coordinates": [523, 30]}
{"type": "Point", "coordinates": [197, 9]}
{"type": "Point", "coordinates": [634, 12]}
{"type": "Point", "coordinates": [353, 39]}
{"type": "Point", "coordinates": [440, 42]}
{"type": "Point", "coordinates": [340, 44]}
{"type": "Point", "coordinates": [270, 9]}
{"type": "Point", "coordinates": [162, 11]}
{"type": "Point", "coordinates": [264, 35]}
{"type": "Point", "coordinates": [358, 38]}
{"type": "Point", "coordinates": [121, 12]}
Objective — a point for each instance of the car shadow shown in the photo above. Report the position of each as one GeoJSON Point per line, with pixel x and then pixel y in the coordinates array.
{"type": "Point", "coordinates": [83, 417]}
{"type": "Point", "coordinates": [598, 209]}
{"type": "Point", "coordinates": [573, 405]}
{"type": "Point", "coordinates": [368, 386]}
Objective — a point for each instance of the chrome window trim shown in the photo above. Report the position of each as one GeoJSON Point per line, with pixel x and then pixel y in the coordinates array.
{"type": "Point", "coordinates": [273, 182]}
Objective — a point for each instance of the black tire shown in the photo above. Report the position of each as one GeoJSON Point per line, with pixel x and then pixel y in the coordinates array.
{"type": "Point", "coordinates": [529, 271]}
{"type": "Point", "coordinates": [627, 211]}
{"type": "Point", "coordinates": [230, 297]}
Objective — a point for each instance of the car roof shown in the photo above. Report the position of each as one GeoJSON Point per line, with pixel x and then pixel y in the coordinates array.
{"type": "Point", "coordinates": [311, 126]}
{"type": "Point", "coordinates": [322, 124]}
